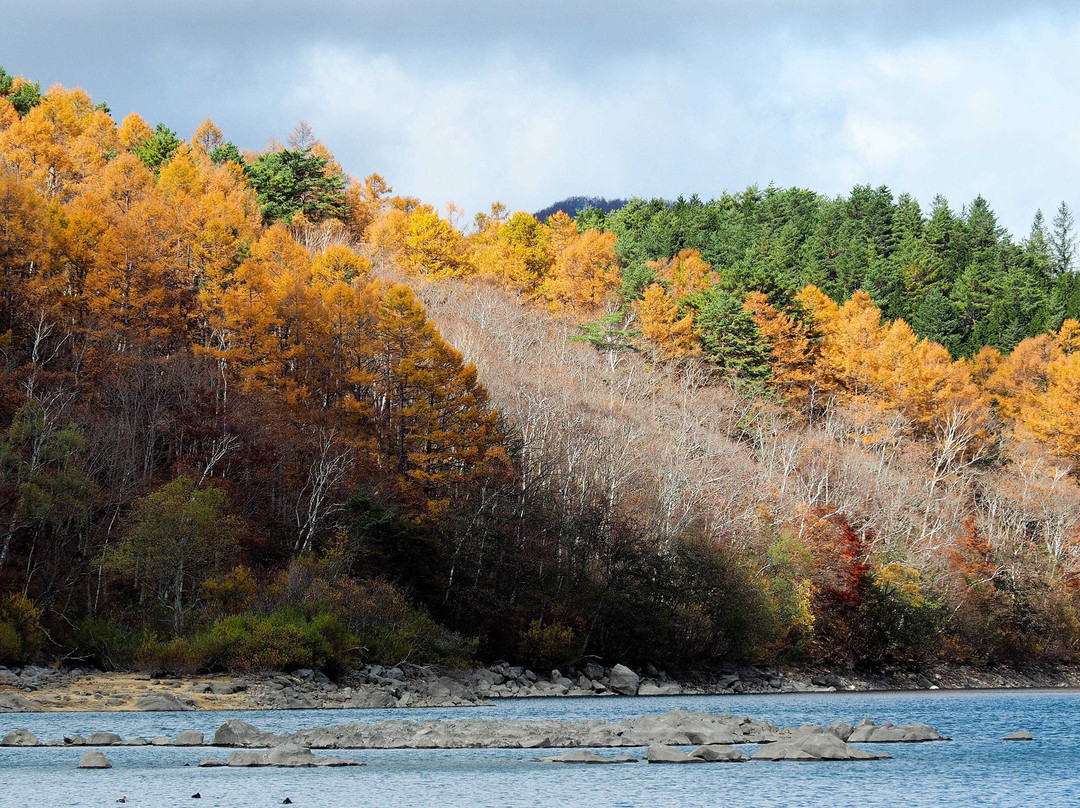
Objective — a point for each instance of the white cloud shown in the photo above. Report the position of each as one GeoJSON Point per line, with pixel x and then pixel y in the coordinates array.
{"type": "Point", "coordinates": [984, 112]}
{"type": "Point", "coordinates": [527, 103]}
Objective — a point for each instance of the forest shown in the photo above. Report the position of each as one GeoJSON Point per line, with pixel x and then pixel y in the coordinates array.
{"type": "Point", "coordinates": [258, 414]}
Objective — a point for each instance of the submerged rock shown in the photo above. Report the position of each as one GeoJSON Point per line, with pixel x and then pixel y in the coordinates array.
{"type": "Point", "coordinates": [719, 753]}
{"type": "Point", "coordinates": [288, 755]}
{"type": "Point", "coordinates": [1022, 735]}
{"type": "Point", "coordinates": [585, 756]}
{"type": "Point", "coordinates": [659, 753]}
{"type": "Point", "coordinates": [868, 732]}
{"type": "Point", "coordinates": [813, 743]}
{"type": "Point", "coordinates": [94, 759]}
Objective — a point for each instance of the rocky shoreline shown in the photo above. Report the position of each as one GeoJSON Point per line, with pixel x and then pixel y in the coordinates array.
{"type": "Point", "coordinates": [35, 688]}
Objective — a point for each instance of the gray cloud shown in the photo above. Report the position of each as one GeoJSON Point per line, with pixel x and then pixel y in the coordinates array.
{"type": "Point", "coordinates": [528, 102]}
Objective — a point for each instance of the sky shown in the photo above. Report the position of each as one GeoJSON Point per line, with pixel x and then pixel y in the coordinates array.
{"type": "Point", "coordinates": [529, 102]}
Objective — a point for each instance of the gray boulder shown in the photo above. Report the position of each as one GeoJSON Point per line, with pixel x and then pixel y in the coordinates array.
{"type": "Point", "coordinates": [841, 729]}
{"type": "Point", "coordinates": [290, 755]}
{"type": "Point", "coordinates": [593, 671]}
{"type": "Point", "coordinates": [103, 739]}
{"type": "Point", "coordinates": [813, 743]}
{"type": "Point", "coordinates": [190, 738]}
{"type": "Point", "coordinates": [244, 758]}
{"type": "Point", "coordinates": [719, 753]}
{"type": "Point", "coordinates": [868, 732]}
{"type": "Point", "coordinates": [659, 689]}
{"type": "Point", "coordinates": [20, 737]}
{"type": "Point", "coordinates": [623, 680]}
{"type": "Point", "coordinates": [1022, 735]}
{"type": "Point", "coordinates": [585, 756]}
{"type": "Point", "coordinates": [94, 759]}
{"type": "Point", "coordinates": [374, 699]}
{"type": "Point", "coordinates": [162, 702]}
{"type": "Point", "coordinates": [209, 763]}
{"type": "Point", "coordinates": [8, 678]}
{"type": "Point", "coordinates": [235, 732]}
{"type": "Point", "coordinates": [14, 703]}
{"type": "Point", "coordinates": [659, 753]}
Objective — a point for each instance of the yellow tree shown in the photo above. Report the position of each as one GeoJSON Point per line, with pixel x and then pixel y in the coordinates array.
{"type": "Point", "coordinates": [1023, 376]}
{"type": "Point", "coordinates": [248, 330]}
{"type": "Point", "coordinates": [824, 314]}
{"type": "Point", "coordinates": [133, 131]}
{"type": "Point", "coordinates": [58, 143]}
{"type": "Point", "coordinates": [206, 138]}
{"type": "Point", "coordinates": [792, 352]}
{"type": "Point", "coordinates": [338, 263]}
{"type": "Point", "coordinates": [366, 201]}
{"type": "Point", "coordinates": [584, 275]}
{"type": "Point", "coordinates": [136, 289]}
{"type": "Point", "coordinates": [432, 246]}
{"type": "Point", "coordinates": [672, 336]}
{"type": "Point", "coordinates": [8, 114]}
{"type": "Point", "coordinates": [933, 387]}
{"type": "Point", "coordinates": [432, 416]}
{"type": "Point", "coordinates": [514, 252]}
{"type": "Point", "coordinates": [685, 274]}
{"type": "Point", "coordinates": [1051, 408]}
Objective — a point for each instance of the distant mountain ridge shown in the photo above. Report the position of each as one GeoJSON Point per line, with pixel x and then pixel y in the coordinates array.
{"type": "Point", "coordinates": [573, 205]}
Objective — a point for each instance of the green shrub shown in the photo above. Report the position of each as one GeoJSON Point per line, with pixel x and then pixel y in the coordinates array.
{"type": "Point", "coordinates": [176, 655]}
{"type": "Point", "coordinates": [10, 644]}
{"type": "Point", "coordinates": [283, 640]}
{"type": "Point", "coordinates": [21, 636]}
{"type": "Point", "coordinates": [102, 643]}
{"type": "Point", "coordinates": [392, 631]}
{"type": "Point", "coordinates": [550, 644]}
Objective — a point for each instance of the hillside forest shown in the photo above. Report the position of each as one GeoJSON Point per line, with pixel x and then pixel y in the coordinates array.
{"type": "Point", "coordinates": [258, 414]}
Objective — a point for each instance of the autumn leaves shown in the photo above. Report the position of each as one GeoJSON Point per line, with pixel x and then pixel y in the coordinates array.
{"type": "Point", "coordinates": [129, 258]}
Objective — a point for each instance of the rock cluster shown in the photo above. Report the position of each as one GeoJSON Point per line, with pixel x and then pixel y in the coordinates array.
{"type": "Point", "coordinates": [20, 737]}
{"type": "Point", "coordinates": [287, 755]}
{"type": "Point", "coordinates": [675, 728]}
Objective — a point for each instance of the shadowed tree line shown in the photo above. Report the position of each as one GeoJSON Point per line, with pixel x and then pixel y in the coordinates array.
{"type": "Point", "coordinates": [259, 414]}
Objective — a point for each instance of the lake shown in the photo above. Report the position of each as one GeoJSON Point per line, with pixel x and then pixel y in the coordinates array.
{"type": "Point", "coordinates": [975, 768]}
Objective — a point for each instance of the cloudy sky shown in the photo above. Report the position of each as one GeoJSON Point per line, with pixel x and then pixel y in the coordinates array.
{"type": "Point", "coordinates": [527, 102]}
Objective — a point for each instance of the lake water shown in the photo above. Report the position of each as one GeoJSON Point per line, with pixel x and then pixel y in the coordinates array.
{"type": "Point", "coordinates": [976, 768]}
